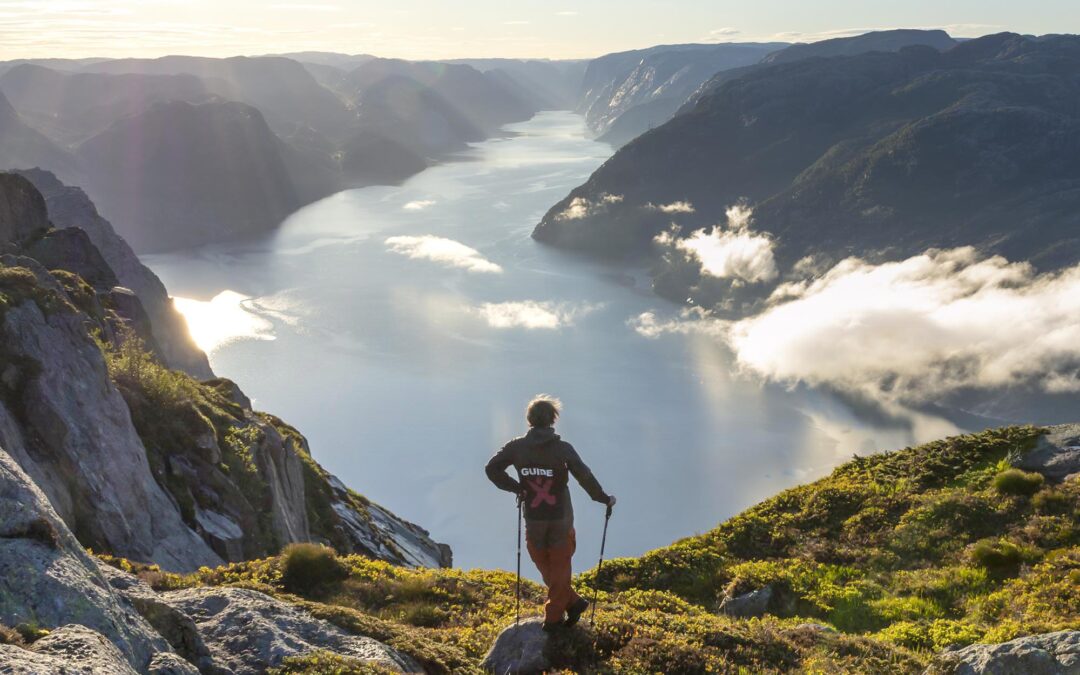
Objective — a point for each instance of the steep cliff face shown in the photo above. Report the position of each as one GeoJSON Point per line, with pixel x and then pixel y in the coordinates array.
{"type": "Point", "coordinates": [853, 156]}
{"type": "Point", "coordinates": [140, 460]}
{"type": "Point", "coordinates": [653, 83]}
{"type": "Point", "coordinates": [69, 207]}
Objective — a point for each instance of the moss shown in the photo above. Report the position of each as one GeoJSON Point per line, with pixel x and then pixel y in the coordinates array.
{"type": "Point", "coordinates": [328, 663]}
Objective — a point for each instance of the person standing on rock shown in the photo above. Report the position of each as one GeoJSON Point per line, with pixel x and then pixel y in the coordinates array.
{"type": "Point", "coordinates": [544, 463]}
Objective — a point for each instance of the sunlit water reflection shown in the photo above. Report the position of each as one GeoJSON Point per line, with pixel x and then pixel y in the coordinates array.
{"type": "Point", "coordinates": [411, 324]}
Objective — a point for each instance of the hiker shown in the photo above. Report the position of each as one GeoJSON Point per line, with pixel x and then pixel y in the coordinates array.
{"type": "Point", "coordinates": [544, 462]}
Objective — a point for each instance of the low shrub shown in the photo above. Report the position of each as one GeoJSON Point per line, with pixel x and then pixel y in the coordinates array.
{"type": "Point", "coordinates": [305, 566]}
{"type": "Point", "coordinates": [999, 557]}
{"type": "Point", "coordinates": [1052, 501]}
{"type": "Point", "coordinates": [1017, 482]}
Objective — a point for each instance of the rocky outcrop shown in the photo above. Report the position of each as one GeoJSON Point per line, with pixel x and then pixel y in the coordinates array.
{"type": "Point", "coordinates": [249, 632]}
{"type": "Point", "coordinates": [69, 207]}
{"type": "Point", "coordinates": [70, 429]}
{"type": "Point", "coordinates": [140, 461]}
{"type": "Point", "coordinates": [1047, 654]}
{"type": "Point", "coordinates": [1057, 454]}
{"type": "Point", "coordinates": [176, 627]}
{"type": "Point", "coordinates": [519, 649]}
{"type": "Point", "coordinates": [47, 579]}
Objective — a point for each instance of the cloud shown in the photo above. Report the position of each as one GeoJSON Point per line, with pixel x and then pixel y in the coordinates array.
{"type": "Point", "coordinates": [446, 251]}
{"type": "Point", "coordinates": [532, 315]}
{"type": "Point", "coordinates": [913, 330]}
{"type": "Point", "coordinates": [582, 207]}
{"type": "Point", "coordinates": [568, 12]}
{"type": "Point", "coordinates": [673, 207]}
{"type": "Point", "coordinates": [516, 23]}
{"type": "Point", "coordinates": [734, 252]}
{"type": "Point", "coordinates": [419, 204]}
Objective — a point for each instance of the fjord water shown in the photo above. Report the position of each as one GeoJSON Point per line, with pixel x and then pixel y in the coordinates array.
{"type": "Point", "coordinates": [406, 372]}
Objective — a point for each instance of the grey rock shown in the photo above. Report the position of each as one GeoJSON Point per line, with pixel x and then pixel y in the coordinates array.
{"type": "Point", "coordinates": [519, 649]}
{"type": "Point", "coordinates": [1047, 654]}
{"type": "Point", "coordinates": [170, 664]}
{"type": "Point", "coordinates": [48, 578]}
{"type": "Point", "coordinates": [71, 249]}
{"type": "Point", "coordinates": [1057, 455]}
{"type": "Point", "coordinates": [172, 624]}
{"type": "Point", "coordinates": [248, 632]}
{"type": "Point", "coordinates": [747, 605]}
{"type": "Point", "coordinates": [69, 650]}
{"type": "Point", "coordinates": [71, 431]}
{"type": "Point", "coordinates": [22, 209]}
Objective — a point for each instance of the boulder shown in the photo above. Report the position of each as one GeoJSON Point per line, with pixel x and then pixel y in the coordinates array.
{"type": "Point", "coordinates": [747, 605]}
{"type": "Point", "coordinates": [1057, 455]}
{"type": "Point", "coordinates": [71, 249]}
{"type": "Point", "coordinates": [519, 649]}
{"type": "Point", "coordinates": [1046, 654]}
{"type": "Point", "coordinates": [46, 577]}
{"type": "Point", "coordinates": [69, 650]}
{"type": "Point", "coordinates": [22, 209]}
{"type": "Point", "coordinates": [248, 632]}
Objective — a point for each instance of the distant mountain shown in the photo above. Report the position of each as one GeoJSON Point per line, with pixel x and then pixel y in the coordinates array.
{"type": "Point", "coordinates": [886, 153]}
{"type": "Point", "coordinates": [875, 41]}
{"type": "Point", "coordinates": [653, 83]}
{"type": "Point", "coordinates": [480, 100]}
{"type": "Point", "coordinates": [22, 146]}
{"type": "Point", "coordinates": [286, 93]}
{"type": "Point", "coordinates": [181, 175]}
{"type": "Point", "coordinates": [71, 107]}
{"type": "Point", "coordinates": [550, 85]}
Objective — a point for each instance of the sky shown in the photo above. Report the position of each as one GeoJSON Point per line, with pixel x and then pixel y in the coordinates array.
{"type": "Point", "coordinates": [431, 29]}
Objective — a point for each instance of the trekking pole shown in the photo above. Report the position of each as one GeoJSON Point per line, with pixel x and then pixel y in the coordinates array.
{"type": "Point", "coordinates": [517, 603]}
{"type": "Point", "coordinates": [599, 566]}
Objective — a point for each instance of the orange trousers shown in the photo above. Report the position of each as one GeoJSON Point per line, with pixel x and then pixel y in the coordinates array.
{"type": "Point", "coordinates": [554, 565]}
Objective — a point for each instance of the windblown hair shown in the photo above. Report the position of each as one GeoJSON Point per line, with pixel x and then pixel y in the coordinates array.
{"type": "Point", "coordinates": [543, 411]}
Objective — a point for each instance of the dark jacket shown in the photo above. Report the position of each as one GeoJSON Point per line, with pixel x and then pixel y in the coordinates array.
{"type": "Point", "coordinates": [544, 463]}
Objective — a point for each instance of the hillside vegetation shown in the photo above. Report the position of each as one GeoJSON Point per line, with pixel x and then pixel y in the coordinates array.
{"type": "Point", "coordinates": [874, 568]}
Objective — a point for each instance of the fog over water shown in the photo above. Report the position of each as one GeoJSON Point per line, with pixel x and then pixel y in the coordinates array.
{"type": "Point", "coordinates": [402, 329]}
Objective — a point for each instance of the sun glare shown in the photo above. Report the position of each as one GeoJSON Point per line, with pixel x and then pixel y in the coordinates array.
{"type": "Point", "coordinates": [222, 320]}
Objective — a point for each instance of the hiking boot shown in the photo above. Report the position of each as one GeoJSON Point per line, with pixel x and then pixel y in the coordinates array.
{"type": "Point", "coordinates": [574, 611]}
{"type": "Point", "coordinates": [551, 627]}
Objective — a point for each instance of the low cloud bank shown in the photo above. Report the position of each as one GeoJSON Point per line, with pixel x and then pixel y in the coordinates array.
{"type": "Point", "coordinates": [419, 204]}
{"type": "Point", "coordinates": [734, 251]}
{"type": "Point", "coordinates": [444, 251]}
{"type": "Point", "coordinates": [532, 315]}
{"type": "Point", "coordinates": [581, 207]}
{"type": "Point", "coordinates": [935, 323]}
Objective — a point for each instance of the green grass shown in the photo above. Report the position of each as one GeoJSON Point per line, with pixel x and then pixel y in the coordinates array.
{"type": "Point", "coordinates": [903, 553]}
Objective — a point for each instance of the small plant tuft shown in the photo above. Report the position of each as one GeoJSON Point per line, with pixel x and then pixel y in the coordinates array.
{"type": "Point", "coordinates": [306, 566]}
{"type": "Point", "coordinates": [1017, 482]}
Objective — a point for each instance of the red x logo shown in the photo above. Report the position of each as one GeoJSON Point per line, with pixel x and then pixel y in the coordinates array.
{"type": "Point", "coordinates": [542, 492]}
